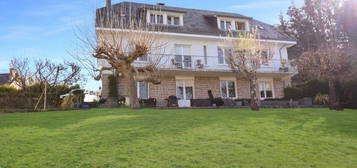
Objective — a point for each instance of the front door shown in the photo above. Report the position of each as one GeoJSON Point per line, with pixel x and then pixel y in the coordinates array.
{"type": "Point", "coordinates": [184, 92]}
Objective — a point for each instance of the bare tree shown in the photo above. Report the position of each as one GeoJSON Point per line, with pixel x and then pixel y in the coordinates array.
{"type": "Point", "coordinates": [50, 74]}
{"type": "Point", "coordinates": [248, 54]}
{"type": "Point", "coordinates": [119, 43]}
{"type": "Point", "coordinates": [22, 73]}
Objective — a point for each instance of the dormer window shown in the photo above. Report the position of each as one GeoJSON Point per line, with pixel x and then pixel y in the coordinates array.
{"type": "Point", "coordinates": [233, 24]}
{"type": "Point", "coordinates": [164, 17]}
{"type": "Point", "coordinates": [156, 19]}
{"type": "Point", "coordinates": [173, 20]}
{"type": "Point", "coordinates": [240, 26]}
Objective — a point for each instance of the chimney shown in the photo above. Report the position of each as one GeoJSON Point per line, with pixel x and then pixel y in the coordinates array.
{"type": "Point", "coordinates": [109, 4]}
{"type": "Point", "coordinates": [160, 4]}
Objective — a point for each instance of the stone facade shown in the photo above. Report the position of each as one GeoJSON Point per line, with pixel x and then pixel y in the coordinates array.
{"type": "Point", "coordinates": [201, 84]}
{"type": "Point", "coordinates": [279, 88]}
{"type": "Point", "coordinates": [243, 89]}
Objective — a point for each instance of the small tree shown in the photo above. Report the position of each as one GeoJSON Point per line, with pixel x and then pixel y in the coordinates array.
{"type": "Point", "coordinates": [248, 54]}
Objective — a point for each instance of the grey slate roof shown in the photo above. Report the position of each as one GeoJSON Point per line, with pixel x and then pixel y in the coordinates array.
{"type": "Point", "coordinates": [4, 79]}
{"type": "Point", "coordinates": [202, 22]}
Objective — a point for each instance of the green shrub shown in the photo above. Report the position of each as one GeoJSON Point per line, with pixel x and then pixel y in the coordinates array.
{"type": "Point", "coordinates": [7, 89]}
{"type": "Point", "coordinates": [314, 87]}
{"type": "Point", "coordinates": [113, 90]}
{"type": "Point", "coordinates": [293, 93]}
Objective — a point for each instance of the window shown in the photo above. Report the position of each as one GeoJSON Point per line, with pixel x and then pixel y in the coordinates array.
{"type": "Point", "coordinates": [184, 89]}
{"type": "Point", "coordinates": [228, 89]}
{"type": "Point", "coordinates": [143, 90]}
{"type": "Point", "coordinates": [223, 55]}
{"type": "Point", "coordinates": [266, 89]}
{"type": "Point", "coordinates": [163, 17]}
{"type": "Point", "coordinates": [228, 25]}
{"type": "Point", "coordinates": [223, 25]}
{"type": "Point", "coordinates": [183, 57]}
{"type": "Point", "coordinates": [205, 53]}
{"type": "Point", "coordinates": [160, 19]}
{"type": "Point", "coordinates": [143, 58]}
{"type": "Point", "coordinates": [240, 26]}
{"type": "Point", "coordinates": [156, 18]}
{"type": "Point", "coordinates": [265, 57]}
{"type": "Point", "coordinates": [152, 18]}
{"type": "Point", "coordinates": [173, 20]}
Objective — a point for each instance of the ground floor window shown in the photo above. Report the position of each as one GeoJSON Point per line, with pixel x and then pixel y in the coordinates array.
{"type": "Point", "coordinates": [228, 89]}
{"type": "Point", "coordinates": [184, 89]}
{"type": "Point", "coordinates": [266, 89]}
{"type": "Point", "coordinates": [143, 90]}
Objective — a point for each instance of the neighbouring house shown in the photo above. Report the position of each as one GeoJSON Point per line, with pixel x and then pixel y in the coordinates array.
{"type": "Point", "coordinates": [7, 79]}
{"type": "Point", "coordinates": [196, 61]}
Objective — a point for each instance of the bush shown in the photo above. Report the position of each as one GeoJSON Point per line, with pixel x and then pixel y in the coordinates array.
{"type": "Point", "coordinates": [113, 90]}
{"type": "Point", "coordinates": [7, 89]}
{"type": "Point", "coordinates": [314, 87]}
{"type": "Point", "coordinates": [293, 93]}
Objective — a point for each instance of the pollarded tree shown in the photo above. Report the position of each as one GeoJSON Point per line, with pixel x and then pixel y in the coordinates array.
{"type": "Point", "coordinates": [119, 43]}
{"type": "Point", "coordinates": [248, 55]}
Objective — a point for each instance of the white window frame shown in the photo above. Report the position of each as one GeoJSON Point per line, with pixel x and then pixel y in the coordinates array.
{"type": "Point", "coordinates": [184, 80]}
{"type": "Point", "coordinates": [227, 89]}
{"type": "Point", "coordinates": [265, 90]}
{"type": "Point", "coordinates": [165, 15]}
{"type": "Point", "coordinates": [138, 89]}
{"type": "Point", "coordinates": [182, 46]}
{"type": "Point", "coordinates": [224, 54]}
{"type": "Point", "coordinates": [233, 23]}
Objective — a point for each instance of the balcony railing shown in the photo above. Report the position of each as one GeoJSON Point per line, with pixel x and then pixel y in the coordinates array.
{"type": "Point", "coordinates": [211, 63]}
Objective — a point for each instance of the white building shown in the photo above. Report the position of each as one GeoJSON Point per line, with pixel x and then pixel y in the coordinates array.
{"type": "Point", "coordinates": [195, 56]}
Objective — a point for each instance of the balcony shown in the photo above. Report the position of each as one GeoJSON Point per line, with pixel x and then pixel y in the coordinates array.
{"type": "Point", "coordinates": [211, 63]}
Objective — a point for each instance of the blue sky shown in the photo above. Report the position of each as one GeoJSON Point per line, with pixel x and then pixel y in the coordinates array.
{"type": "Point", "coordinates": [47, 28]}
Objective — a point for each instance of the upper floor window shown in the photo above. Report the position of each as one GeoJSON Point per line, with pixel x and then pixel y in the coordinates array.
{"type": "Point", "coordinates": [224, 55]}
{"type": "Point", "coordinates": [164, 17]}
{"type": "Point", "coordinates": [173, 20]}
{"type": "Point", "coordinates": [240, 25]}
{"type": "Point", "coordinates": [156, 19]}
{"type": "Point", "coordinates": [233, 24]}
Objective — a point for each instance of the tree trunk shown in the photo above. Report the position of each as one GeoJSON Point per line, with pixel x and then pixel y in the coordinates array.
{"type": "Point", "coordinates": [333, 96]}
{"type": "Point", "coordinates": [253, 93]}
{"type": "Point", "coordinates": [133, 95]}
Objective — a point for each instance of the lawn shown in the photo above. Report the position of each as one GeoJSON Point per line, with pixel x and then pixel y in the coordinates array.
{"type": "Point", "coordinates": [148, 138]}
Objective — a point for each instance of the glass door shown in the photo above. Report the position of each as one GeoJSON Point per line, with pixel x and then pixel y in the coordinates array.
{"type": "Point", "coordinates": [183, 57]}
{"type": "Point", "coordinates": [184, 92]}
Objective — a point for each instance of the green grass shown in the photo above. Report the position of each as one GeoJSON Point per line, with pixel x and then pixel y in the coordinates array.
{"type": "Point", "coordinates": [232, 138]}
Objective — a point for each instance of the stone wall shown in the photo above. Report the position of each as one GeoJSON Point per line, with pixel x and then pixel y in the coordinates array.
{"type": "Point", "coordinates": [243, 89]}
{"type": "Point", "coordinates": [278, 88]}
{"type": "Point", "coordinates": [203, 84]}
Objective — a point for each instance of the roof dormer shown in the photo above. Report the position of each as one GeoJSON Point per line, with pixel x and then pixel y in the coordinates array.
{"type": "Point", "coordinates": [164, 17]}
{"type": "Point", "coordinates": [234, 24]}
